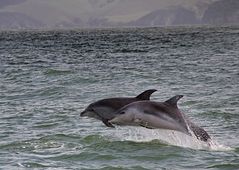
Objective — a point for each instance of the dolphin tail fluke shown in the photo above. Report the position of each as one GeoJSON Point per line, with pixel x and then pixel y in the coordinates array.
{"type": "Point", "coordinates": [146, 94]}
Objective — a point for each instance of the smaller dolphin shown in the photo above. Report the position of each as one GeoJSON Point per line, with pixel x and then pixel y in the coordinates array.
{"type": "Point", "coordinates": [150, 114]}
{"type": "Point", "coordinates": [104, 109]}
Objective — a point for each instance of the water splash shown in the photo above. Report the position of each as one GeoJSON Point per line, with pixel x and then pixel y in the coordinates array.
{"type": "Point", "coordinates": [140, 134]}
{"type": "Point", "coordinates": [215, 146]}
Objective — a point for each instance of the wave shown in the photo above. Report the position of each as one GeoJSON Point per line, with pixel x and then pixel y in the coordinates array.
{"type": "Point", "coordinates": [56, 72]}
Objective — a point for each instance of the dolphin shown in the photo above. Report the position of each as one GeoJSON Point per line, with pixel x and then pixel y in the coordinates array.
{"type": "Point", "coordinates": [104, 109]}
{"type": "Point", "coordinates": [163, 115]}
{"type": "Point", "coordinates": [151, 114]}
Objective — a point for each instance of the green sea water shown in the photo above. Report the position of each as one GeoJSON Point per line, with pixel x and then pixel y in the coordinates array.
{"type": "Point", "coordinates": [48, 77]}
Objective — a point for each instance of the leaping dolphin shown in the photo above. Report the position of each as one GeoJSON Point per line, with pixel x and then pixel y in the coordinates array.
{"type": "Point", "coordinates": [163, 115]}
{"type": "Point", "coordinates": [150, 114]}
{"type": "Point", "coordinates": [104, 109]}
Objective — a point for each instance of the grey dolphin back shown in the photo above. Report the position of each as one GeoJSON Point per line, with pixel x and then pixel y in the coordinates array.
{"type": "Point", "coordinates": [173, 104]}
{"type": "Point", "coordinates": [199, 132]}
{"type": "Point", "coordinates": [146, 94]}
{"type": "Point", "coordinates": [174, 100]}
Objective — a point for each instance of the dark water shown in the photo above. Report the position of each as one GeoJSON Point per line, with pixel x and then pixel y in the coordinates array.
{"type": "Point", "coordinates": [48, 77]}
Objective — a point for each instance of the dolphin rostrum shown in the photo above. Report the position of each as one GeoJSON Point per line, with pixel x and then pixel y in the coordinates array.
{"type": "Point", "coordinates": [104, 109]}
{"type": "Point", "coordinates": [163, 115]}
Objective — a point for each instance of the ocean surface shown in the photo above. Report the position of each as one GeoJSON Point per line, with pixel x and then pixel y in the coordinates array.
{"type": "Point", "coordinates": [48, 77]}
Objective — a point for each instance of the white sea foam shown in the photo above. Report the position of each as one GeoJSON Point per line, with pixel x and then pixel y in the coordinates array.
{"type": "Point", "coordinates": [140, 134]}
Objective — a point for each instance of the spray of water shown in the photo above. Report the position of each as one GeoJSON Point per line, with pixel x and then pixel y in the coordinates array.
{"type": "Point", "coordinates": [140, 134]}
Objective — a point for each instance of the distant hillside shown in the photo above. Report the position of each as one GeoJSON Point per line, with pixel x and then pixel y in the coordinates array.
{"type": "Point", "coordinates": [218, 12]}
{"type": "Point", "coordinates": [4, 3]}
{"type": "Point", "coordinates": [223, 11]}
{"type": "Point", "coordinates": [20, 14]}
{"type": "Point", "coordinates": [171, 16]}
{"type": "Point", "coordinates": [13, 20]}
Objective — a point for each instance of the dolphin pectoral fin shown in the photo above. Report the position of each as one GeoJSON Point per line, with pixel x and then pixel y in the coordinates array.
{"type": "Point", "coordinates": [107, 123]}
{"type": "Point", "coordinates": [104, 120]}
{"type": "Point", "coordinates": [174, 100]}
{"type": "Point", "coordinates": [146, 126]}
{"type": "Point", "coordinates": [142, 123]}
{"type": "Point", "coordinates": [146, 94]}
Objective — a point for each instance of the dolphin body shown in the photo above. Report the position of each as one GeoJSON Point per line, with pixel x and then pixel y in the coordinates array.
{"type": "Point", "coordinates": [163, 115]}
{"type": "Point", "coordinates": [104, 109]}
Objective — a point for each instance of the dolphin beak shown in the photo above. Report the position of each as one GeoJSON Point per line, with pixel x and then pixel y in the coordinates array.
{"type": "Point", "coordinates": [82, 113]}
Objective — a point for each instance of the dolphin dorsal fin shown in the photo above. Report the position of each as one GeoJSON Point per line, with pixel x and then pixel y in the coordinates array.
{"type": "Point", "coordinates": [146, 94]}
{"type": "Point", "coordinates": [174, 100]}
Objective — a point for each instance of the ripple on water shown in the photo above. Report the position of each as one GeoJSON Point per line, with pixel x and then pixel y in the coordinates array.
{"type": "Point", "coordinates": [32, 165]}
{"type": "Point", "coordinates": [57, 72]}
{"type": "Point", "coordinates": [228, 166]}
{"type": "Point", "coordinates": [118, 168]}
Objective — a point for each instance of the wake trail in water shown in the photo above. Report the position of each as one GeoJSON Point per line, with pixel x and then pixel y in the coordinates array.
{"type": "Point", "coordinates": [140, 134]}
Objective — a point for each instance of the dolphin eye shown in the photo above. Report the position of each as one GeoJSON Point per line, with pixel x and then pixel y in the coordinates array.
{"type": "Point", "coordinates": [122, 112]}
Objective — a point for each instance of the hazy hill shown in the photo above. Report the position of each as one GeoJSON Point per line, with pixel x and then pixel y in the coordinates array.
{"type": "Point", "coordinates": [4, 3]}
{"type": "Point", "coordinates": [166, 17]}
{"type": "Point", "coordinates": [13, 20]}
{"type": "Point", "coordinates": [116, 13]}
